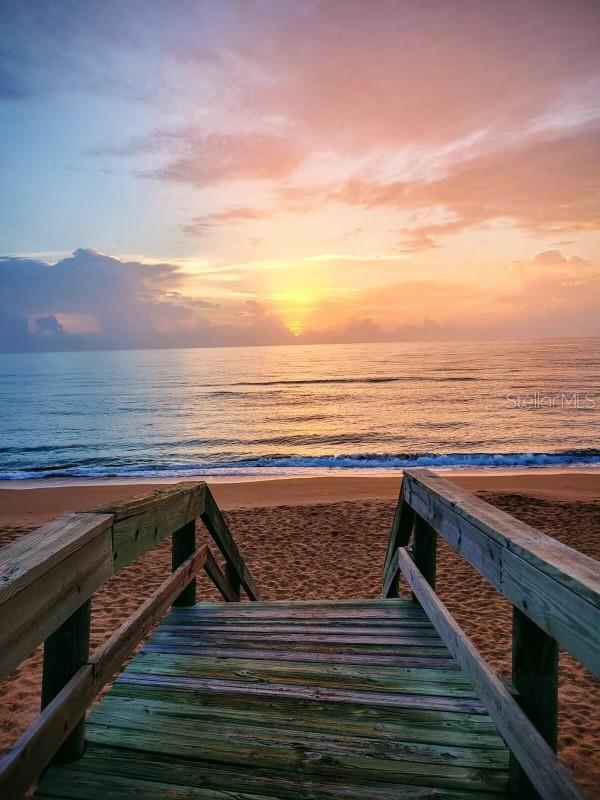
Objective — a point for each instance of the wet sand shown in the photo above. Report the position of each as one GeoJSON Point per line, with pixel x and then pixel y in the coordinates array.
{"type": "Point", "coordinates": [316, 538]}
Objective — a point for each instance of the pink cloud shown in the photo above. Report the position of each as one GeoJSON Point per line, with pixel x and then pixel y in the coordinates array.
{"type": "Point", "coordinates": [549, 182]}
{"type": "Point", "coordinates": [355, 75]}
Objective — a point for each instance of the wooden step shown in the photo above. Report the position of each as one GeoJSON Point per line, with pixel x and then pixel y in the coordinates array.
{"type": "Point", "coordinates": [310, 700]}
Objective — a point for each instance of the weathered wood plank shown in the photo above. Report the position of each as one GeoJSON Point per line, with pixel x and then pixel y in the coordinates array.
{"type": "Point", "coordinates": [158, 499]}
{"type": "Point", "coordinates": [466, 705]}
{"type": "Point", "coordinates": [237, 611]}
{"type": "Point", "coordinates": [82, 785]}
{"type": "Point", "coordinates": [325, 647]}
{"type": "Point", "coordinates": [192, 647]}
{"type": "Point", "coordinates": [460, 532]}
{"type": "Point", "coordinates": [225, 622]}
{"type": "Point", "coordinates": [217, 527]}
{"type": "Point", "coordinates": [452, 683]}
{"type": "Point", "coordinates": [46, 576]}
{"type": "Point", "coordinates": [110, 655]}
{"type": "Point", "coordinates": [561, 613]}
{"type": "Point", "coordinates": [555, 586]}
{"type": "Point", "coordinates": [426, 727]}
{"type": "Point", "coordinates": [279, 627]}
{"type": "Point", "coordinates": [224, 703]}
{"type": "Point", "coordinates": [382, 762]}
{"type": "Point", "coordinates": [412, 637]}
{"type": "Point", "coordinates": [300, 605]}
{"type": "Point", "coordinates": [213, 571]}
{"type": "Point", "coordinates": [227, 743]}
{"type": "Point", "coordinates": [546, 773]}
{"type": "Point", "coordinates": [33, 751]}
{"type": "Point", "coordinates": [100, 764]}
{"type": "Point", "coordinates": [211, 734]}
{"type": "Point", "coordinates": [143, 522]}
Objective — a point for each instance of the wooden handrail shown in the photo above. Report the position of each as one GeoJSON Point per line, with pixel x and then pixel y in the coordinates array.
{"type": "Point", "coordinates": [47, 579]}
{"type": "Point", "coordinates": [554, 585]}
{"type": "Point", "coordinates": [555, 592]}
{"type": "Point", "coordinates": [48, 574]}
{"type": "Point", "coordinates": [37, 746]}
{"type": "Point", "coordinates": [547, 774]}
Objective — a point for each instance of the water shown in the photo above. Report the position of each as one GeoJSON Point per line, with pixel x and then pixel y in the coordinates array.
{"type": "Point", "coordinates": [299, 410]}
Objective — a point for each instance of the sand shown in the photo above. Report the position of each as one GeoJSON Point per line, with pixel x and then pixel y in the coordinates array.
{"type": "Point", "coordinates": [315, 538]}
{"type": "Point", "coordinates": [35, 505]}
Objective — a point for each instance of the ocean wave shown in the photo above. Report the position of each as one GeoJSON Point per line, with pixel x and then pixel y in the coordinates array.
{"type": "Point", "coordinates": [319, 381]}
{"type": "Point", "coordinates": [301, 464]}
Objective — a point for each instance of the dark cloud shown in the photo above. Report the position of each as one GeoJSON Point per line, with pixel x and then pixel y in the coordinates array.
{"type": "Point", "coordinates": [48, 326]}
{"type": "Point", "coordinates": [127, 303]}
{"type": "Point", "coordinates": [92, 301]}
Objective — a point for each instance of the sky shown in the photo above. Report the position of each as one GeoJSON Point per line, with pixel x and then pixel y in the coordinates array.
{"type": "Point", "coordinates": [230, 172]}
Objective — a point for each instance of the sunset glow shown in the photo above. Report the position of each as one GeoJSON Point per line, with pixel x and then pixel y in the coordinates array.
{"type": "Point", "coordinates": [299, 172]}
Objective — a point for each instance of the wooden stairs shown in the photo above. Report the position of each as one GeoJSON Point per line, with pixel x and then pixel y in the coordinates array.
{"type": "Point", "coordinates": [291, 700]}
{"type": "Point", "coordinates": [358, 700]}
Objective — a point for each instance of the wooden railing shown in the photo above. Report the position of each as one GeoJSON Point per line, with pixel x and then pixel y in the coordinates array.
{"type": "Point", "coordinates": [555, 593]}
{"type": "Point", "coordinates": [47, 580]}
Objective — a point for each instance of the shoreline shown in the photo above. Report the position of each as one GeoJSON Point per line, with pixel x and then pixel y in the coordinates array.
{"type": "Point", "coordinates": [35, 505]}
{"type": "Point", "coordinates": [296, 473]}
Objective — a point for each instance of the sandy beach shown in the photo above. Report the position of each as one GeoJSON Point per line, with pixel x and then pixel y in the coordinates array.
{"type": "Point", "coordinates": [312, 538]}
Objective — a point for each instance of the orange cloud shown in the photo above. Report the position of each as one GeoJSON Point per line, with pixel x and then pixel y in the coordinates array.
{"type": "Point", "coordinates": [549, 182]}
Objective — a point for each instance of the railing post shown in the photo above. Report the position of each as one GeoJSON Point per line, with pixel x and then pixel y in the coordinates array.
{"type": "Point", "coordinates": [535, 678]}
{"type": "Point", "coordinates": [182, 547]}
{"type": "Point", "coordinates": [425, 550]}
{"type": "Point", "coordinates": [233, 579]}
{"type": "Point", "coordinates": [399, 537]}
{"type": "Point", "coordinates": [65, 651]}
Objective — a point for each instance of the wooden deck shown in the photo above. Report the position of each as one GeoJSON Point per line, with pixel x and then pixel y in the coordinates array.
{"type": "Point", "coordinates": [289, 700]}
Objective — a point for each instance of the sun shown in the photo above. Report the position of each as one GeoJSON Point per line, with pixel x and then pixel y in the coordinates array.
{"type": "Point", "coordinates": [295, 304]}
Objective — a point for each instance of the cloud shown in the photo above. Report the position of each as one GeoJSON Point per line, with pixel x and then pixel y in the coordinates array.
{"type": "Point", "coordinates": [550, 182]}
{"type": "Point", "coordinates": [552, 264]}
{"type": "Point", "coordinates": [48, 326]}
{"type": "Point", "coordinates": [208, 159]}
{"type": "Point", "coordinates": [198, 226]}
{"type": "Point", "coordinates": [270, 85]}
{"type": "Point", "coordinates": [416, 243]}
{"type": "Point", "coordinates": [125, 303]}
{"type": "Point", "coordinates": [352, 75]}
{"type": "Point", "coordinates": [93, 301]}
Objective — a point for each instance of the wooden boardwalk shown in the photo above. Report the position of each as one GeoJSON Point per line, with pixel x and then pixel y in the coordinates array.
{"type": "Point", "coordinates": [291, 700]}
{"type": "Point", "coordinates": [332, 700]}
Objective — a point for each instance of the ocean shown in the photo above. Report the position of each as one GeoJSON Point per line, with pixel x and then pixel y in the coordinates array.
{"type": "Point", "coordinates": [267, 411]}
